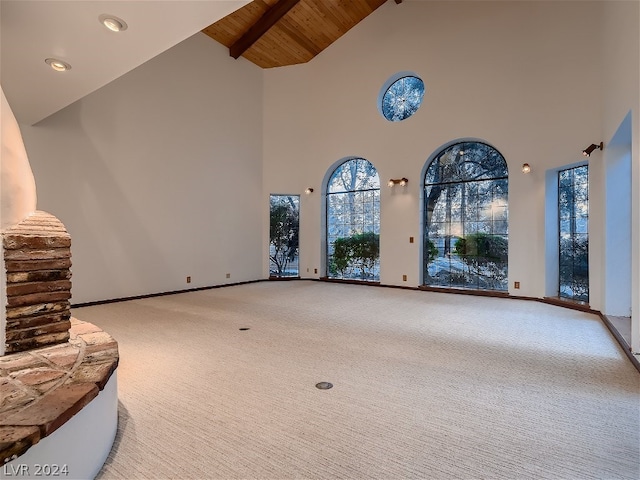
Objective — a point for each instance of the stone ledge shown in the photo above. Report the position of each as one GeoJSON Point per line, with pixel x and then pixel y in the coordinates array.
{"type": "Point", "coordinates": [40, 390]}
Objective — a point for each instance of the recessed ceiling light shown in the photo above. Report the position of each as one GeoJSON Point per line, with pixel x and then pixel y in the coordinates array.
{"type": "Point", "coordinates": [57, 65]}
{"type": "Point", "coordinates": [113, 23]}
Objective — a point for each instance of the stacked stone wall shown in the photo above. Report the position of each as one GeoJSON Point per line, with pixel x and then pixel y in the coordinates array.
{"type": "Point", "coordinates": [37, 257]}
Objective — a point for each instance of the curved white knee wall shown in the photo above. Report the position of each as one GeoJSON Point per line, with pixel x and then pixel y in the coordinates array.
{"type": "Point", "coordinates": [17, 189]}
{"type": "Point", "coordinates": [17, 185]}
{"type": "Point", "coordinates": [82, 444]}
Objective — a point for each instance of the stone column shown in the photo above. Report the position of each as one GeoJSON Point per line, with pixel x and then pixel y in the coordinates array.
{"type": "Point", "coordinates": [37, 258]}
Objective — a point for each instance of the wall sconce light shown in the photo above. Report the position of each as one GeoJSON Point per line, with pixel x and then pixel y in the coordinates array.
{"type": "Point", "coordinates": [587, 151]}
{"type": "Point", "coordinates": [397, 181]}
{"type": "Point", "coordinates": [308, 190]}
{"type": "Point", "coordinates": [526, 168]}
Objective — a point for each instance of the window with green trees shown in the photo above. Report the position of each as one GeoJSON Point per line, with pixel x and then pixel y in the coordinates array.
{"type": "Point", "coordinates": [573, 214]}
{"type": "Point", "coordinates": [353, 222]}
{"type": "Point", "coordinates": [466, 218]}
{"type": "Point", "coordinates": [284, 232]}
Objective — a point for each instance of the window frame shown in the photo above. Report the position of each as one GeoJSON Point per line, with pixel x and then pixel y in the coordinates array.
{"type": "Point", "coordinates": [386, 87]}
{"type": "Point", "coordinates": [296, 273]}
{"type": "Point", "coordinates": [372, 226]}
{"type": "Point", "coordinates": [583, 298]}
{"type": "Point", "coordinates": [497, 277]}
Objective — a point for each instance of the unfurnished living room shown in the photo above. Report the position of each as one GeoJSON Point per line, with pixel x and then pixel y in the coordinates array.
{"type": "Point", "coordinates": [320, 239]}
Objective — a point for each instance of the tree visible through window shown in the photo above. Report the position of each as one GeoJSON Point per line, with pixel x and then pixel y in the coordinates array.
{"type": "Point", "coordinates": [573, 213]}
{"type": "Point", "coordinates": [353, 221]}
{"type": "Point", "coordinates": [402, 98]}
{"type": "Point", "coordinates": [466, 218]}
{"type": "Point", "coordinates": [284, 232]}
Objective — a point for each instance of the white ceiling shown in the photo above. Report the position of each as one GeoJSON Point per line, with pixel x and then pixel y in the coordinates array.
{"type": "Point", "coordinates": [32, 30]}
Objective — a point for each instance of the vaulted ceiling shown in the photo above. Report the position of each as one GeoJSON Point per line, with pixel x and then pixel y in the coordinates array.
{"type": "Point", "coordinates": [276, 33]}
{"type": "Point", "coordinates": [31, 31]}
{"type": "Point", "coordinates": [269, 33]}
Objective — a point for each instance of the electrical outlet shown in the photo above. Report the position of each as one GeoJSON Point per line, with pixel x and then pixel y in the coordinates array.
{"type": "Point", "coordinates": [516, 284]}
{"type": "Point", "coordinates": [404, 278]}
{"type": "Point", "coordinates": [228, 275]}
{"type": "Point", "coordinates": [188, 279]}
{"type": "Point", "coordinates": [410, 239]}
{"type": "Point", "coordinates": [315, 270]}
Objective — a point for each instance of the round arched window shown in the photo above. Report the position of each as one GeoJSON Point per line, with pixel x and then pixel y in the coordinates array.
{"type": "Point", "coordinates": [353, 221]}
{"type": "Point", "coordinates": [401, 96]}
{"type": "Point", "coordinates": [466, 231]}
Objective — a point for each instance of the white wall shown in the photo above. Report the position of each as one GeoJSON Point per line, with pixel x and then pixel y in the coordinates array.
{"type": "Point", "coordinates": [522, 76]}
{"type": "Point", "coordinates": [157, 175]}
{"type": "Point", "coordinates": [142, 171]}
{"type": "Point", "coordinates": [621, 85]}
{"type": "Point", "coordinates": [17, 191]}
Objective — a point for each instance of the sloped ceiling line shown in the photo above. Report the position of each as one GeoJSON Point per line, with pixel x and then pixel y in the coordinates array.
{"type": "Point", "coordinates": [262, 26]}
{"type": "Point", "coordinates": [277, 33]}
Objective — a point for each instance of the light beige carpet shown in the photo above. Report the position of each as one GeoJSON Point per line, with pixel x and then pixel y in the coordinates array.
{"type": "Point", "coordinates": [426, 385]}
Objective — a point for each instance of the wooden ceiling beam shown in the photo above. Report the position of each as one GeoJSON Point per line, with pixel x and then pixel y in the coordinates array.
{"type": "Point", "coordinates": [268, 20]}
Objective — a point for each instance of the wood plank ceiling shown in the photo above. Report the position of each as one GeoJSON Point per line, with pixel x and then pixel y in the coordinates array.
{"type": "Point", "coordinates": [275, 33]}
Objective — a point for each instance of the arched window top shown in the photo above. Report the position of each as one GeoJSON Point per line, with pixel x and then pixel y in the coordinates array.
{"type": "Point", "coordinates": [356, 174]}
{"type": "Point", "coordinates": [466, 162]}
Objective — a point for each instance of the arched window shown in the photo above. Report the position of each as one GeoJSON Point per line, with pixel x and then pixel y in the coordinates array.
{"type": "Point", "coordinates": [466, 218]}
{"type": "Point", "coordinates": [353, 221]}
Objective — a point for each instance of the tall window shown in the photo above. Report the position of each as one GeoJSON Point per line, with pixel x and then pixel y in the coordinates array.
{"type": "Point", "coordinates": [573, 213]}
{"type": "Point", "coordinates": [353, 222]}
{"type": "Point", "coordinates": [466, 218]}
{"type": "Point", "coordinates": [284, 232]}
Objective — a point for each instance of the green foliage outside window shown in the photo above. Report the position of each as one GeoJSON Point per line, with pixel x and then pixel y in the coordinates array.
{"type": "Point", "coordinates": [284, 232]}
{"type": "Point", "coordinates": [479, 249]}
{"type": "Point", "coordinates": [432, 251]}
{"type": "Point", "coordinates": [360, 251]}
{"type": "Point", "coordinates": [353, 207]}
{"type": "Point", "coordinates": [573, 213]}
{"type": "Point", "coordinates": [485, 255]}
{"type": "Point", "coordinates": [466, 218]}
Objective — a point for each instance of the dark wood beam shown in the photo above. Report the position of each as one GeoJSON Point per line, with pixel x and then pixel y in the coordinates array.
{"type": "Point", "coordinates": [268, 20]}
